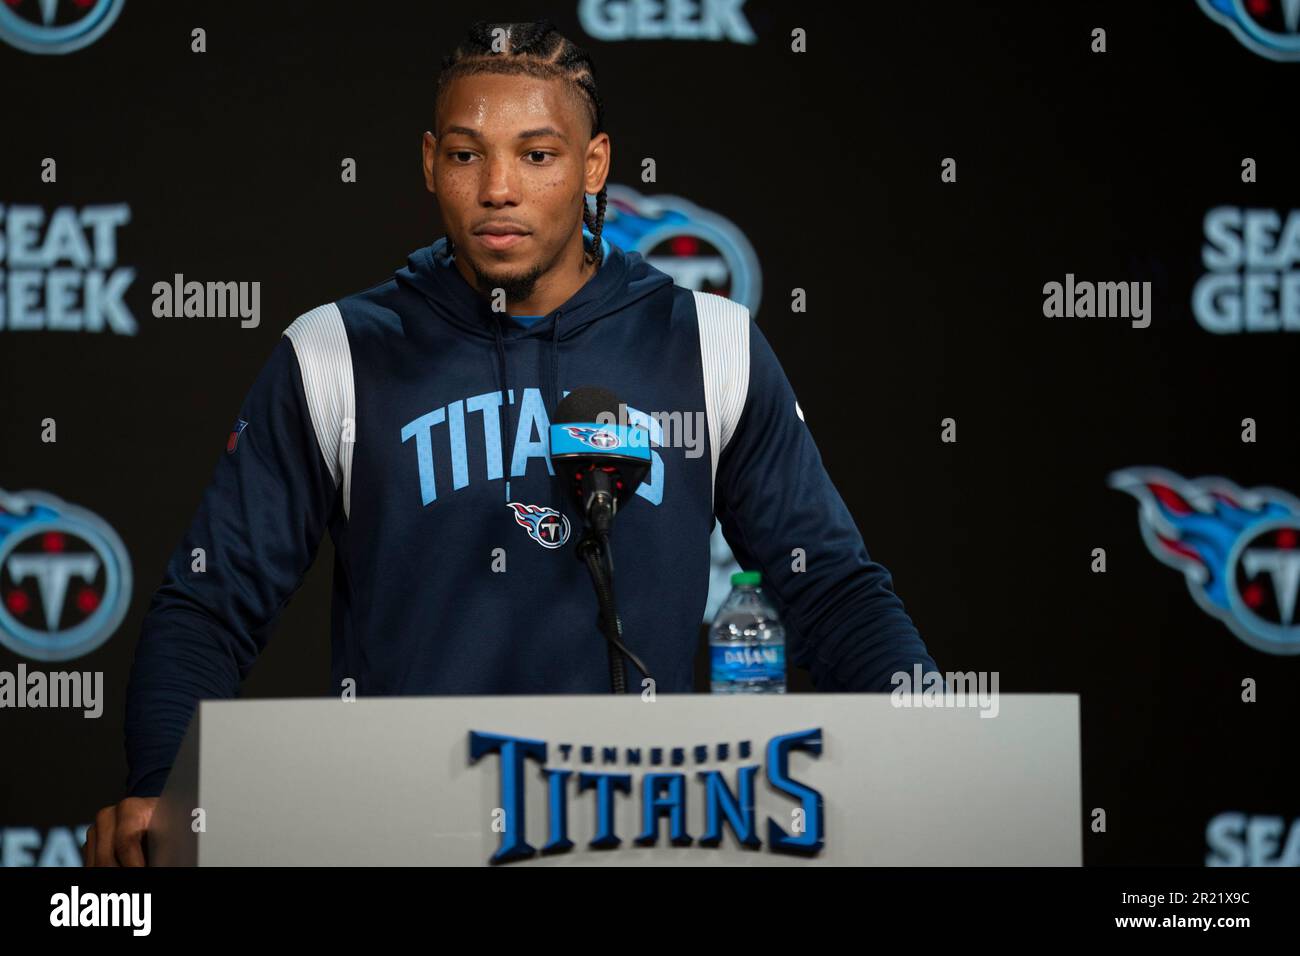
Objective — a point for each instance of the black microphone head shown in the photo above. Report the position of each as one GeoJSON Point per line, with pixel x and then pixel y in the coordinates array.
{"type": "Point", "coordinates": [615, 467]}
{"type": "Point", "coordinates": [586, 404]}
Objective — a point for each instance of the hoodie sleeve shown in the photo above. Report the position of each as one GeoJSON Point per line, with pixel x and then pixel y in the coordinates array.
{"type": "Point", "coordinates": [258, 525]}
{"type": "Point", "coordinates": [773, 495]}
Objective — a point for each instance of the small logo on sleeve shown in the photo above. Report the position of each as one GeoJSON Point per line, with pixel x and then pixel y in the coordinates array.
{"type": "Point", "coordinates": [233, 441]}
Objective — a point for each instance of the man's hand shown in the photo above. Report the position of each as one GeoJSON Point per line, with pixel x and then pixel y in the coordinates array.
{"type": "Point", "coordinates": [116, 838]}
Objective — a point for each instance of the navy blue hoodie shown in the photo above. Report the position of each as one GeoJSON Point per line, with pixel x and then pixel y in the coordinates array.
{"type": "Point", "coordinates": [411, 422]}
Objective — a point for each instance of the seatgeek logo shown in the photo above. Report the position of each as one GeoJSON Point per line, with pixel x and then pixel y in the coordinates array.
{"type": "Point", "coordinates": [42, 846]}
{"type": "Point", "coordinates": [663, 793]}
{"type": "Point", "coordinates": [1252, 839]}
{"type": "Point", "coordinates": [56, 26]}
{"type": "Point", "coordinates": [717, 20]}
{"type": "Point", "coordinates": [1270, 28]}
{"type": "Point", "coordinates": [60, 273]}
{"type": "Point", "coordinates": [1252, 278]}
{"type": "Point", "coordinates": [65, 577]}
{"type": "Point", "coordinates": [1239, 550]}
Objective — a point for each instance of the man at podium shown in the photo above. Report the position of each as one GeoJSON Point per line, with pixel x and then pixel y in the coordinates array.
{"type": "Point", "coordinates": [410, 421]}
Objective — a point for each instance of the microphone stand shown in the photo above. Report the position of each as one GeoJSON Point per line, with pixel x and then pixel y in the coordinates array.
{"type": "Point", "coordinates": [593, 549]}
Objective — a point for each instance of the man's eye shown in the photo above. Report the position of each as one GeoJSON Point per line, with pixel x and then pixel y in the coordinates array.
{"type": "Point", "coordinates": [538, 152]}
{"type": "Point", "coordinates": [460, 152]}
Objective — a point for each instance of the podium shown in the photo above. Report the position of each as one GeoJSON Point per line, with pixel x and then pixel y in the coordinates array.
{"type": "Point", "coordinates": [677, 780]}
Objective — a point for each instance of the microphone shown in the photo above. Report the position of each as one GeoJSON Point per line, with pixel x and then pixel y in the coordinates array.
{"type": "Point", "coordinates": [600, 460]}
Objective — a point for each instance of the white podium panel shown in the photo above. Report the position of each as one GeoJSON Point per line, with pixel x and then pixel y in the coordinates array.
{"type": "Point", "coordinates": [685, 780]}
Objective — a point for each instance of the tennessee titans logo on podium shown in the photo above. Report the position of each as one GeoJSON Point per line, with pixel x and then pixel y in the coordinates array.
{"type": "Point", "coordinates": [595, 437]}
{"type": "Point", "coordinates": [1270, 28]}
{"type": "Point", "coordinates": [1238, 550]}
{"type": "Point", "coordinates": [546, 526]}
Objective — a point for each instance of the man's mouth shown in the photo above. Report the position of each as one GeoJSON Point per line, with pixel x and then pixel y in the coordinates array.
{"type": "Point", "coordinates": [500, 240]}
{"type": "Point", "coordinates": [501, 235]}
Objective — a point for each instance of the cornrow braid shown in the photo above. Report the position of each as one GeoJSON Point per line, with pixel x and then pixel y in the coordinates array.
{"type": "Point", "coordinates": [533, 49]}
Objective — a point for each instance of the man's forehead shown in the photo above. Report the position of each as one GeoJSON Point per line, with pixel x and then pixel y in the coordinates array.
{"type": "Point", "coordinates": [507, 106]}
{"type": "Point", "coordinates": [532, 132]}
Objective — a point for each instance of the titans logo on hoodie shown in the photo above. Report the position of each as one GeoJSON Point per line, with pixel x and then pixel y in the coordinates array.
{"type": "Point", "coordinates": [410, 421]}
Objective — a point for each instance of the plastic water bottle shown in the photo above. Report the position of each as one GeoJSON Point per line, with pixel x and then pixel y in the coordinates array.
{"type": "Point", "coordinates": [747, 641]}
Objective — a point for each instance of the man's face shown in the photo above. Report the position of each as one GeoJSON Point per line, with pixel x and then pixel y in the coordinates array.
{"type": "Point", "coordinates": [509, 165]}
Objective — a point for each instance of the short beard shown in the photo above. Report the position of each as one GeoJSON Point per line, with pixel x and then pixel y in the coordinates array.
{"type": "Point", "coordinates": [517, 288]}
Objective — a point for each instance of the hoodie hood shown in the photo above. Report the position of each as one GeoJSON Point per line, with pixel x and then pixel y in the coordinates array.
{"type": "Point", "coordinates": [623, 278]}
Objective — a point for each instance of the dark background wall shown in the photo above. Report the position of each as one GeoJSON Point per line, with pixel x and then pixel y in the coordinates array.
{"type": "Point", "coordinates": [925, 301]}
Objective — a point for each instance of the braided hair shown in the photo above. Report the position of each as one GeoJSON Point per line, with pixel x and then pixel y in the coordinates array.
{"type": "Point", "coordinates": [534, 49]}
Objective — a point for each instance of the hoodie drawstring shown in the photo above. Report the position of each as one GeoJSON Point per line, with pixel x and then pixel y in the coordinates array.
{"type": "Point", "coordinates": [503, 378]}
{"type": "Point", "coordinates": [552, 388]}
{"type": "Point", "coordinates": [555, 364]}
{"type": "Point", "coordinates": [557, 502]}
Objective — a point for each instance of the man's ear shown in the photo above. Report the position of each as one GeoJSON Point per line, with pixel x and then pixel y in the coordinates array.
{"type": "Point", "coordinates": [428, 151]}
{"type": "Point", "coordinates": [597, 167]}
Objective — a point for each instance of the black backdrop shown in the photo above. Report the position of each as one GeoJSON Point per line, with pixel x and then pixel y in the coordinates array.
{"type": "Point", "coordinates": [925, 301]}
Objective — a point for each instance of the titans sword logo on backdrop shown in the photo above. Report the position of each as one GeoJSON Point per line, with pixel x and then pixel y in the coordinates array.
{"type": "Point", "coordinates": [1239, 550]}
{"type": "Point", "coordinates": [65, 577]}
{"type": "Point", "coordinates": [1270, 28]}
{"type": "Point", "coordinates": [56, 26]}
{"type": "Point", "coordinates": [701, 250]}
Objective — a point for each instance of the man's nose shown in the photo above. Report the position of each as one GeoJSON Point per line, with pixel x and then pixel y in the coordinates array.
{"type": "Point", "coordinates": [498, 182]}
